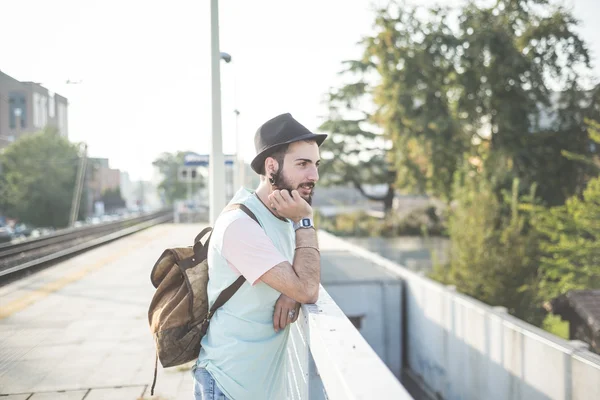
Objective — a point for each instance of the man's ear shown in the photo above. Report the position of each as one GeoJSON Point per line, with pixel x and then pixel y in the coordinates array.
{"type": "Point", "coordinates": [271, 166]}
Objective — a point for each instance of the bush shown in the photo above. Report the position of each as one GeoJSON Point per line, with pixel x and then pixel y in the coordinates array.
{"type": "Point", "coordinates": [570, 244]}
{"type": "Point", "coordinates": [494, 252]}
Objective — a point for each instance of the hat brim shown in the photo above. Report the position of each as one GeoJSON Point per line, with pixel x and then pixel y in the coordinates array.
{"type": "Point", "coordinates": [258, 161]}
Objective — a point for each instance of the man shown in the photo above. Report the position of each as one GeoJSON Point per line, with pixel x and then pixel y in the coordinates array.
{"type": "Point", "coordinates": [243, 354]}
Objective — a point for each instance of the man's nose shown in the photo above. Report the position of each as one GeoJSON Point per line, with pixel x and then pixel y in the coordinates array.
{"type": "Point", "coordinates": [313, 175]}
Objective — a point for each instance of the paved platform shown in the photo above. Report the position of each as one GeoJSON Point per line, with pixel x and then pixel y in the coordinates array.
{"type": "Point", "coordinates": [79, 329]}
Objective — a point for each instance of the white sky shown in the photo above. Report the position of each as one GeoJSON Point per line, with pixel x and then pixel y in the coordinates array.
{"type": "Point", "coordinates": [145, 66]}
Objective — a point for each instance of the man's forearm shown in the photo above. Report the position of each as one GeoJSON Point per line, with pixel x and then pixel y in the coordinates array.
{"type": "Point", "coordinates": [307, 261]}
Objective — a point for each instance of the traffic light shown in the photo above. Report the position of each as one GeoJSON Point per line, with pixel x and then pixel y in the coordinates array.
{"type": "Point", "coordinates": [189, 174]}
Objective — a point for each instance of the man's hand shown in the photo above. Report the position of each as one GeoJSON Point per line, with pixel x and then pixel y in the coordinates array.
{"type": "Point", "coordinates": [289, 206]}
{"type": "Point", "coordinates": [281, 316]}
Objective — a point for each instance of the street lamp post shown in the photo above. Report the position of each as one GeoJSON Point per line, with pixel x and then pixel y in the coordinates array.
{"type": "Point", "coordinates": [238, 171]}
{"type": "Point", "coordinates": [238, 146]}
{"type": "Point", "coordinates": [217, 160]}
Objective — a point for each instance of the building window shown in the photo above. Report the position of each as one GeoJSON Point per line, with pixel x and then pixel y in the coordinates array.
{"type": "Point", "coordinates": [17, 111]}
{"type": "Point", "coordinates": [43, 111]}
{"type": "Point", "coordinates": [36, 111]}
{"type": "Point", "coordinates": [51, 105]}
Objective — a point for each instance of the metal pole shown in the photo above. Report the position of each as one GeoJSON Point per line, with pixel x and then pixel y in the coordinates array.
{"type": "Point", "coordinates": [78, 187]}
{"type": "Point", "coordinates": [239, 159]}
{"type": "Point", "coordinates": [217, 160]}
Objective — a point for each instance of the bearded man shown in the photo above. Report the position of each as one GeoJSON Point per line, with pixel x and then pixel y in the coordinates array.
{"type": "Point", "coordinates": [243, 352]}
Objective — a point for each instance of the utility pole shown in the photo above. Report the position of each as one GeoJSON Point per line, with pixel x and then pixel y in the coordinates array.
{"type": "Point", "coordinates": [78, 187]}
{"type": "Point", "coordinates": [216, 161]}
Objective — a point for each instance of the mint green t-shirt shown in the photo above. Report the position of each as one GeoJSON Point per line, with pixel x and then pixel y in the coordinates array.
{"type": "Point", "coordinates": [241, 349]}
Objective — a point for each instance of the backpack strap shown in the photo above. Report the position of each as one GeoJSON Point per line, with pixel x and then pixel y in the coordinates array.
{"type": "Point", "coordinates": [240, 206]}
{"type": "Point", "coordinates": [228, 293]}
{"type": "Point", "coordinates": [201, 250]}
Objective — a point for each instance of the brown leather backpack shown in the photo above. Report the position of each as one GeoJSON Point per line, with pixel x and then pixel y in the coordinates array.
{"type": "Point", "coordinates": [178, 314]}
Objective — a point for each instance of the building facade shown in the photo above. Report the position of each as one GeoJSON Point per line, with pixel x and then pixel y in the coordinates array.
{"type": "Point", "coordinates": [28, 107]}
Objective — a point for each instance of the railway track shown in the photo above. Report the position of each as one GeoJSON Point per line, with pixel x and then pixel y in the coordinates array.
{"type": "Point", "coordinates": [19, 258]}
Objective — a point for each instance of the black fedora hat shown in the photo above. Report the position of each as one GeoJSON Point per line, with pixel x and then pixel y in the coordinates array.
{"type": "Point", "coordinates": [278, 131]}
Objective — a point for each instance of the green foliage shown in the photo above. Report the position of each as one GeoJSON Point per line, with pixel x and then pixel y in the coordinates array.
{"type": "Point", "coordinates": [505, 79]}
{"type": "Point", "coordinates": [354, 154]}
{"type": "Point", "coordinates": [38, 179]}
{"type": "Point", "coordinates": [412, 57]}
{"type": "Point", "coordinates": [494, 252]}
{"type": "Point", "coordinates": [555, 325]}
{"type": "Point", "coordinates": [173, 189]}
{"type": "Point", "coordinates": [571, 235]}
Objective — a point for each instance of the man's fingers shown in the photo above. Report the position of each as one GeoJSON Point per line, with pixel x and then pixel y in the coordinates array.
{"type": "Point", "coordinates": [276, 317]}
{"type": "Point", "coordinates": [278, 196]}
{"type": "Point", "coordinates": [283, 319]}
{"type": "Point", "coordinates": [296, 195]}
{"type": "Point", "coordinates": [285, 195]}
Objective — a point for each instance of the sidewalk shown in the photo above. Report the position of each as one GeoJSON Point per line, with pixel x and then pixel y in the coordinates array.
{"type": "Point", "coordinates": [80, 328]}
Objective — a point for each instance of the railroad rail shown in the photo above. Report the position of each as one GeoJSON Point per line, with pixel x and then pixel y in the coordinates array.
{"type": "Point", "coordinates": [19, 257]}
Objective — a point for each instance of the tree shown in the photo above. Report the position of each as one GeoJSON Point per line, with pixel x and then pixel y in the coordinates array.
{"type": "Point", "coordinates": [505, 79]}
{"type": "Point", "coordinates": [570, 235]}
{"type": "Point", "coordinates": [357, 156]}
{"type": "Point", "coordinates": [38, 178]}
{"type": "Point", "coordinates": [171, 186]}
{"type": "Point", "coordinates": [518, 80]}
{"type": "Point", "coordinates": [406, 72]}
{"type": "Point", "coordinates": [494, 251]}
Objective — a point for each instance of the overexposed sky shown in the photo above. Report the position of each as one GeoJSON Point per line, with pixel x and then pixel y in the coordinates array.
{"type": "Point", "coordinates": [145, 65]}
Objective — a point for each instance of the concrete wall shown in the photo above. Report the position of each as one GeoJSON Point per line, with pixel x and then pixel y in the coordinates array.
{"type": "Point", "coordinates": [464, 349]}
{"type": "Point", "coordinates": [379, 304]}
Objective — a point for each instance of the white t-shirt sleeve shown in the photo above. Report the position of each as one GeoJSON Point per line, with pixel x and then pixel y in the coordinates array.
{"type": "Point", "coordinates": [248, 250]}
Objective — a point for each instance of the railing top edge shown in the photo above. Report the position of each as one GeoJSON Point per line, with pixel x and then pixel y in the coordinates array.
{"type": "Point", "coordinates": [519, 325]}
{"type": "Point", "coordinates": [344, 358]}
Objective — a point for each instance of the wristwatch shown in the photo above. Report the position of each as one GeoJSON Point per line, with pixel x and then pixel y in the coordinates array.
{"type": "Point", "coordinates": [303, 223]}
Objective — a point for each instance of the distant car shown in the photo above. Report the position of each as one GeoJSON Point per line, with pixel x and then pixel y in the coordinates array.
{"type": "Point", "coordinates": [6, 234]}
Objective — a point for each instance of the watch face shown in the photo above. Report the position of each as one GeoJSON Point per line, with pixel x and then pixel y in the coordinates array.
{"type": "Point", "coordinates": [306, 222]}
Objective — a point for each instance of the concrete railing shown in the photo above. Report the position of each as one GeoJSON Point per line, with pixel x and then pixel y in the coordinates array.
{"type": "Point", "coordinates": [464, 349]}
{"type": "Point", "coordinates": [329, 359]}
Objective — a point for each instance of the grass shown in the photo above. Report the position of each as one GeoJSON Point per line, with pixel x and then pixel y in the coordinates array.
{"type": "Point", "coordinates": [555, 325]}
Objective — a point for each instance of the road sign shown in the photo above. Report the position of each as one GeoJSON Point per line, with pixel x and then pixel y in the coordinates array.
{"type": "Point", "coordinates": [201, 160]}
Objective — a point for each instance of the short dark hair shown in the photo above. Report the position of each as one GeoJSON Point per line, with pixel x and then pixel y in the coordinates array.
{"type": "Point", "coordinates": [278, 155]}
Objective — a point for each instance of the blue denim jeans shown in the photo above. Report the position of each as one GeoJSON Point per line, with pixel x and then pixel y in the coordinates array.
{"type": "Point", "coordinates": [205, 387]}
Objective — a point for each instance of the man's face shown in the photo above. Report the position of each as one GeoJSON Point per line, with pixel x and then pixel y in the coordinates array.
{"type": "Point", "coordinates": [300, 169]}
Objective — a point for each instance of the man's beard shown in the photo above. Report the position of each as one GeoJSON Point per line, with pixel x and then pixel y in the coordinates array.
{"type": "Point", "coordinates": [281, 183]}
